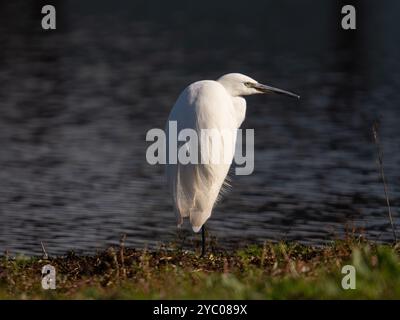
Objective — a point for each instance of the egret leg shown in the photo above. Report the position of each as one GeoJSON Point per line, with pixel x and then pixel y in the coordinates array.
{"type": "Point", "coordinates": [203, 240]}
{"type": "Point", "coordinates": [181, 237]}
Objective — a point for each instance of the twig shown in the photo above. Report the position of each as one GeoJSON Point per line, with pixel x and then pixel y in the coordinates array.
{"type": "Point", "coordinates": [6, 255]}
{"type": "Point", "coordinates": [114, 256]}
{"type": "Point", "coordinates": [375, 128]}
{"type": "Point", "coordinates": [45, 255]}
{"type": "Point", "coordinates": [122, 253]}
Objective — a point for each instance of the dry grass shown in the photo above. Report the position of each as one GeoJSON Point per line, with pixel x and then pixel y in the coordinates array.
{"type": "Point", "coordinates": [272, 271]}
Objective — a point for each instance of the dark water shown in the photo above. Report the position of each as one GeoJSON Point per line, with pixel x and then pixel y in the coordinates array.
{"type": "Point", "coordinates": [76, 103]}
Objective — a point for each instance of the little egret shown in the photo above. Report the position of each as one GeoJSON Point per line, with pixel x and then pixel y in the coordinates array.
{"type": "Point", "coordinates": [202, 105]}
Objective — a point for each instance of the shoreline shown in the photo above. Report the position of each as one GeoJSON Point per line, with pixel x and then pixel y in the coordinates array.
{"type": "Point", "coordinates": [270, 271]}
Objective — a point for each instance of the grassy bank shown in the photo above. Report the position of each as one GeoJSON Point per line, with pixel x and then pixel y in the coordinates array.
{"type": "Point", "coordinates": [271, 271]}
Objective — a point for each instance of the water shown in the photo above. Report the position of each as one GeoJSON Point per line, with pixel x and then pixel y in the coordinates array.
{"type": "Point", "coordinates": [76, 103]}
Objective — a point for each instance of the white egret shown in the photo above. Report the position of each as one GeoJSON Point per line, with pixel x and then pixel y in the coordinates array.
{"type": "Point", "coordinates": [207, 105]}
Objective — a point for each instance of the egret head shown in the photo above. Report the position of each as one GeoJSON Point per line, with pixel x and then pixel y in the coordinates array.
{"type": "Point", "coordinates": [238, 84]}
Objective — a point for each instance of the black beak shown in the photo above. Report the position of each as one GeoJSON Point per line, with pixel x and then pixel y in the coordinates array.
{"type": "Point", "coordinates": [268, 89]}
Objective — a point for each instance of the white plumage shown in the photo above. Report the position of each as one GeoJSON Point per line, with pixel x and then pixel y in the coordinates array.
{"type": "Point", "coordinates": [208, 105]}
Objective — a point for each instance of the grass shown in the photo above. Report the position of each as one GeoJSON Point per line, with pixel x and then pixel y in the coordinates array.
{"type": "Point", "coordinates": [272, 271]}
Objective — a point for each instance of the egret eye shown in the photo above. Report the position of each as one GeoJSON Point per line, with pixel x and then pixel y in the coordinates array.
{"type": "Point", "coordinates": [248, 84]}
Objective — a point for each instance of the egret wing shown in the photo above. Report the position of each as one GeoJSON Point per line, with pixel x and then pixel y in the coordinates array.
{"type": "Point", "coordinates": [206, 108]}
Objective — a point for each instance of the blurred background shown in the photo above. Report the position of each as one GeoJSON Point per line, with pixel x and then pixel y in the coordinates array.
{"type": "Point", "coordinates": [76, 103]}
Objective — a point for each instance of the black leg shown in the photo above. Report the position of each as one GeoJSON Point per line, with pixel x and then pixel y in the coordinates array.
{"type": "Point", "coordinates": [181, 237]}
{"type": "Point", "coordinates": [203, 240]}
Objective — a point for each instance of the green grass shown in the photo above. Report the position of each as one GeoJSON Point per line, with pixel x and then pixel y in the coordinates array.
{"type": "Point", "coordinates": [272, 271]}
